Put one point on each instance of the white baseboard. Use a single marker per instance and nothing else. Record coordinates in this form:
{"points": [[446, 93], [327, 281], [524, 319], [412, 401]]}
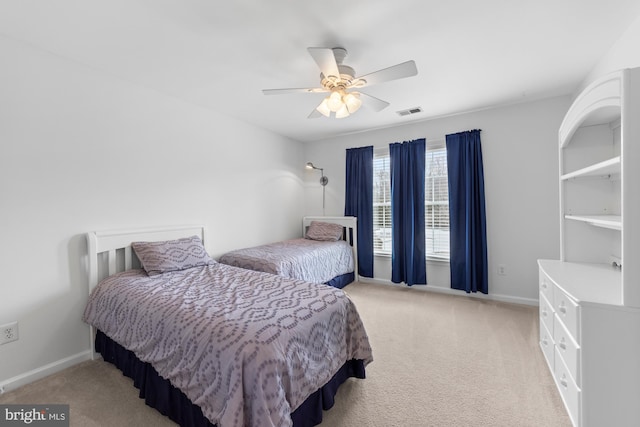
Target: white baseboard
{"points": [[448, 291], [43, 371]]}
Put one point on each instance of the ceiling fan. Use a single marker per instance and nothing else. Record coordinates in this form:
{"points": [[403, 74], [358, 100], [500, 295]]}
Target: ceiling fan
{"points": [[339, 80]]}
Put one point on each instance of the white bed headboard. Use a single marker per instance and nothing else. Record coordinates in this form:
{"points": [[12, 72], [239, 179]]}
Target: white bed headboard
{"points": [[110, 252], [350, 234]]}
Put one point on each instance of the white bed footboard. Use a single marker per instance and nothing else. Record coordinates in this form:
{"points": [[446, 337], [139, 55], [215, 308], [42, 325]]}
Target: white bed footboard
{"points": [[350, 234]]}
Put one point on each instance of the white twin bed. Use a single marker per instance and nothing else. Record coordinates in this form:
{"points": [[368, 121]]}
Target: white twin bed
{"points": [[327, 253], [213, 344]]}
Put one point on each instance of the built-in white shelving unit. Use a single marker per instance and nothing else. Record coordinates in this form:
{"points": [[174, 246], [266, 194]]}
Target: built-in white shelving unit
{"points": [[589, 305]]}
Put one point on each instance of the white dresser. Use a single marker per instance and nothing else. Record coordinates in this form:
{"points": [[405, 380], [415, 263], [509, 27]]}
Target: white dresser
{"points": [[590, 297], [592, 348]]}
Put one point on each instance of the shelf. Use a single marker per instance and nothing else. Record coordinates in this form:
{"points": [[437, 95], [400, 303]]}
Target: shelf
{"points": [[613, 222], [605, 168]]}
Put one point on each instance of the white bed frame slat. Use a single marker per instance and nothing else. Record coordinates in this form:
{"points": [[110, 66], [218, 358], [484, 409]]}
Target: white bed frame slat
{"points": [[112, 262], [128, 258], [350, 223]]}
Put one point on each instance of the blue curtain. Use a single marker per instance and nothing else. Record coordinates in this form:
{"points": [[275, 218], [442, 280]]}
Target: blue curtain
{"points": [[408, 253], [359, 203], [468, 234]]}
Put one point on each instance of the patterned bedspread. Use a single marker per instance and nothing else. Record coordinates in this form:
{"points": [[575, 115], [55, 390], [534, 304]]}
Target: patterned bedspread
{"points": [[247, 347], [304, 259]]}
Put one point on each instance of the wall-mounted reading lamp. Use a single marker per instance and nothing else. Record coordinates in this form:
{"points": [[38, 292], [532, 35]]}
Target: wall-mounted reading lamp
{"points": [[323, 181]]}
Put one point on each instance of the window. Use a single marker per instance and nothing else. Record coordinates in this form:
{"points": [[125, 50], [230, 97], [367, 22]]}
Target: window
{"points": [[436, 202], [381, 204]]}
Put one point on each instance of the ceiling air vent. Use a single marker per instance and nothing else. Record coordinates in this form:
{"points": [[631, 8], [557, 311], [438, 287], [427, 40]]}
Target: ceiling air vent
{"points": [[409, 111]]}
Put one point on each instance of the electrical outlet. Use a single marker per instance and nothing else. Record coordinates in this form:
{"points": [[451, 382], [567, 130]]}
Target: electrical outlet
{"points": [[502, 270], [8, 332]]}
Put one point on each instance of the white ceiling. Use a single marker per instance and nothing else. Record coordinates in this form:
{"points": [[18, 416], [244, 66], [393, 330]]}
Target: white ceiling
{"points": [[470, 54]]}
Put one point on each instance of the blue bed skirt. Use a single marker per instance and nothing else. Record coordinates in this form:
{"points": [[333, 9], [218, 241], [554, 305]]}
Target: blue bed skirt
{"points": [[171, 402], [341, 281]]}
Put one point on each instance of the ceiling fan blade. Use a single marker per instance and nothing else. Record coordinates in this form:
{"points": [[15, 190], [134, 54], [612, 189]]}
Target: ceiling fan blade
{"points": [[326, 60], [314, 114], [293, 90], [376, 104], [395, 72]]}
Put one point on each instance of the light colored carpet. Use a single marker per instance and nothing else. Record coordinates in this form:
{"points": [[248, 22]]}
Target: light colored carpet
{"points": [[439, 360]]}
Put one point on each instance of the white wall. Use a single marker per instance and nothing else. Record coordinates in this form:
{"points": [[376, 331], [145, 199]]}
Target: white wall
{"points": [[520, 155], [81, 151], [625, 53]]}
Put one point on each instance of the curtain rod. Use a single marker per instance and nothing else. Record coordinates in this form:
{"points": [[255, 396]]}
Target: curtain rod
{"points": [[441, 140]]}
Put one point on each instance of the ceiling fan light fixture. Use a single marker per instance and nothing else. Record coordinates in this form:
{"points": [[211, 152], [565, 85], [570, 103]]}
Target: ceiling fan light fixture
{"points": [[342, 112], [323, 108], [352, 101], [334, 101]]}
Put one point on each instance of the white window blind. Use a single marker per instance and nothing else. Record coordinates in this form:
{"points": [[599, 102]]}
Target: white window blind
{"points": [[381, 203], [436, 202]]}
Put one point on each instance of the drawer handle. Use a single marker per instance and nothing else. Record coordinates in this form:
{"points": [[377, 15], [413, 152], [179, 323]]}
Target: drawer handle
{"points": [[544, 312], [562, 309], [563, 381], [562, 344], [544, 285], [545, 342]]}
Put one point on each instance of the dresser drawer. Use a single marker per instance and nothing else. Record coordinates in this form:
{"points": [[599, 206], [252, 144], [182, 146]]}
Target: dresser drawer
{"points": [[546, 313], [568, 389], [546, 344], [567, 311], [546, 286], [568, 349]]}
